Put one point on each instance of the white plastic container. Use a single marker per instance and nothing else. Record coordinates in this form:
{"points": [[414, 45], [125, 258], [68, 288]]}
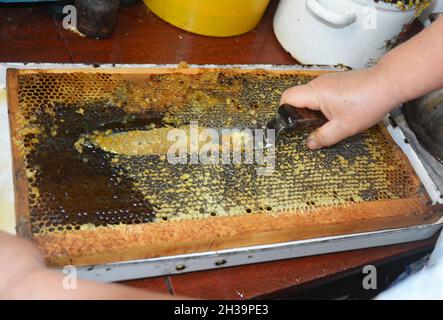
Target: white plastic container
{"points": [[355, 33]]}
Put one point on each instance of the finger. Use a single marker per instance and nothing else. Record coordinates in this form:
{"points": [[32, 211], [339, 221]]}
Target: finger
{"points": [[301, 97], [328, 135]]}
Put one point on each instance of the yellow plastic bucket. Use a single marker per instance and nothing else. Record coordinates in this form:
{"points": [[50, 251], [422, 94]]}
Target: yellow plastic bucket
{"points": [[219, 18]]}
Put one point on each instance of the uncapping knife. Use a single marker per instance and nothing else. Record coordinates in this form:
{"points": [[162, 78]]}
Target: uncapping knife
{"points": [[290, 118]]}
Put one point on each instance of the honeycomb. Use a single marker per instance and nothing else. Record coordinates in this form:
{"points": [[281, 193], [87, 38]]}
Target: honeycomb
{"points": [[76, 186]]}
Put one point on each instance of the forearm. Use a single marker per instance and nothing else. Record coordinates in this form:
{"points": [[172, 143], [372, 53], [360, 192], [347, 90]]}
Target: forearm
{"points": [[23, 275], [414, 68], [47, 284]]}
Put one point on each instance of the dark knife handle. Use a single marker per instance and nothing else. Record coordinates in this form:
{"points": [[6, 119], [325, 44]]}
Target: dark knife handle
{"points": [[301, 118]]}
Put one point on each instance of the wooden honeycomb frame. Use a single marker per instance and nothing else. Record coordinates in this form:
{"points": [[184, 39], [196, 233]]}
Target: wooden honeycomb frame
{"points": [[119, 242]]}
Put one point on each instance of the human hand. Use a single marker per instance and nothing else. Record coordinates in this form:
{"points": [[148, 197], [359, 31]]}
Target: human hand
{"points": [[352, 102], [23, 275]]}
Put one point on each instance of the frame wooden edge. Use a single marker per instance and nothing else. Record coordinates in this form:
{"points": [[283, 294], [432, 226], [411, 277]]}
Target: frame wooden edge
{"points": [[60, 250], [22, 214], [178, 69], [421, 189]]}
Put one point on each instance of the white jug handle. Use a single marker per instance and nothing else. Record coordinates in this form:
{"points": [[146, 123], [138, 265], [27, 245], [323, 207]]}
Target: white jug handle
{"points": [[336, 20], [426, 19]]}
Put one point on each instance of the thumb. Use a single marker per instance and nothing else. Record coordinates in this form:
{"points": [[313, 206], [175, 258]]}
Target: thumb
{"points": [[327, 135], [303, 96]]}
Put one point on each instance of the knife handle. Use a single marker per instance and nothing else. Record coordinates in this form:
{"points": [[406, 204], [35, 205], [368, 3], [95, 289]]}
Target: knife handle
{"points": [[301, 118]]}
